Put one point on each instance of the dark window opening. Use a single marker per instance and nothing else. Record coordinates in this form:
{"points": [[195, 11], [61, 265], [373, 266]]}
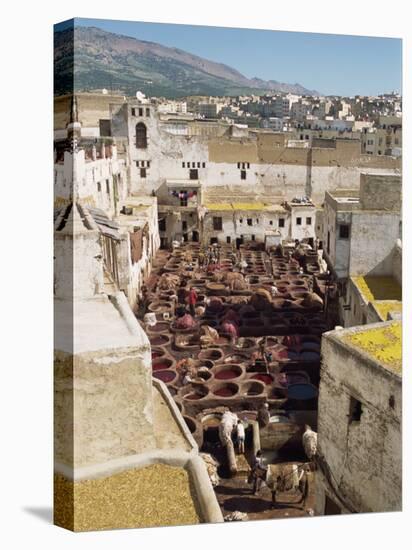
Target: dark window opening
{"points": [[392, 401], [249, 221], [203, 164], [140, 111], [248, 165], [213, 240], [147, 111], [133, 111], [183, 164], [184, 225], [228, 240], [141, 136], [298, 221], [355, 410], [198, 164], [238, 165], [99, 187], [148, 163], [281, 222], [193, 165], [142, 172], [217, 223], [105, 127], [107, 187], [271, 222], [193, 174], [241, 220], [308, 221], [162, 224], [344, 231], [243, 174], [252, 237]]}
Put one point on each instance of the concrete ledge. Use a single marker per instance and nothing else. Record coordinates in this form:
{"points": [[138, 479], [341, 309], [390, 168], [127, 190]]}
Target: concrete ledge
{"points": [[177, 415], [191, 462]]}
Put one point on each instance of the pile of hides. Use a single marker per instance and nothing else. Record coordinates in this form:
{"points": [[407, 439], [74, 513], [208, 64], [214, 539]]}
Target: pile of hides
{"points": [[211, 467], [185, 322], [210, 336]]}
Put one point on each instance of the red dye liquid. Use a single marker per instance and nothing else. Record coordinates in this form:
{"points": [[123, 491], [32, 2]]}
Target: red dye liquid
{"points": [[156, 354], [193, 396], [158, 340], [161, 366], [265, 378], [165, 376], [226, 374], [225, 392]]}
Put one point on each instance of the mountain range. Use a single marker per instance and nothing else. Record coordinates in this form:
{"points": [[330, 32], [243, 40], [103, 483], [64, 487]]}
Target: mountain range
{"points": [[100, 59]]}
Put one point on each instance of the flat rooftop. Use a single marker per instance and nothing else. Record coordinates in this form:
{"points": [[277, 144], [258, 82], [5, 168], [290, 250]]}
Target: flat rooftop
{"points": [[243, 206], [385, 293], [381, 343]]}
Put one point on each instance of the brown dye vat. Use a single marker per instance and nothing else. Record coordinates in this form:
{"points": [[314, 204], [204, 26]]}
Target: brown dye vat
{"points": [[157, 352], [159, 327], [166, 376], [159, 340], [245, 343], [161, 364], [263, 377], [228, 372], [211, 420], [298, 282], [252, 388], [195, 393], [228, 389], [211, 354]]}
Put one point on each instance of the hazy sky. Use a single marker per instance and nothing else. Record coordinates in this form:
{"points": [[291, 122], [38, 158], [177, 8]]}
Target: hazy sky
{"points": [[331, 64]]}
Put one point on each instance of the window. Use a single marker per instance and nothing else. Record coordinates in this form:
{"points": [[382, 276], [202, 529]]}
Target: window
{"points": [[133, 111], [252, 237], [193, 174], [228, 240], [241, 220], [99, 187], [298, 221], [184, 225], [203, 164], [107, 187], [162, 224], [105, 127], [193, 165], [281, 222], [355, 410], [344, 231], [141, 136], [217, 223], [249, 221], [148, 163], [238, 165], [257, 221], [309, 221], [248, 165], [147, 111], [142, 172], [271, 222], [243, 174], [183, 165], [198, 164], [140, 111]]}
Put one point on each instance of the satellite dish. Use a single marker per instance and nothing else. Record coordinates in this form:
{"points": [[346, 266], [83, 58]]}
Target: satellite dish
{"points": [[140, 95], [104, 91]]}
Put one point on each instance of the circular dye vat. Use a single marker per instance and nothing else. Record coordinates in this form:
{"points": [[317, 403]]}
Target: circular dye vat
{"points": [[156, 353], [211, 354], [159, 327], [161, 364], [263, 377], [228, 372], [166, 376], [196, 394], [309, 356], [252, 388], [226, 390], [211, 421], [302, 391], [159, 340]]}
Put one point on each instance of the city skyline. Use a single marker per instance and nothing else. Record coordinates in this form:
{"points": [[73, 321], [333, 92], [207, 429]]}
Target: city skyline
{"points": [[357, 65]]}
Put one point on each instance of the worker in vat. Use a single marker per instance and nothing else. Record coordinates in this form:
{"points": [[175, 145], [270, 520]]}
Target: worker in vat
{"points": [[263, 416], [258, 471], [240, 436], [192, 299]]}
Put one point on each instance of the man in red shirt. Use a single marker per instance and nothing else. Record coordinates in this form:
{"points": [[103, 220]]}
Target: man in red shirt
{"points": [[192, 299]]}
